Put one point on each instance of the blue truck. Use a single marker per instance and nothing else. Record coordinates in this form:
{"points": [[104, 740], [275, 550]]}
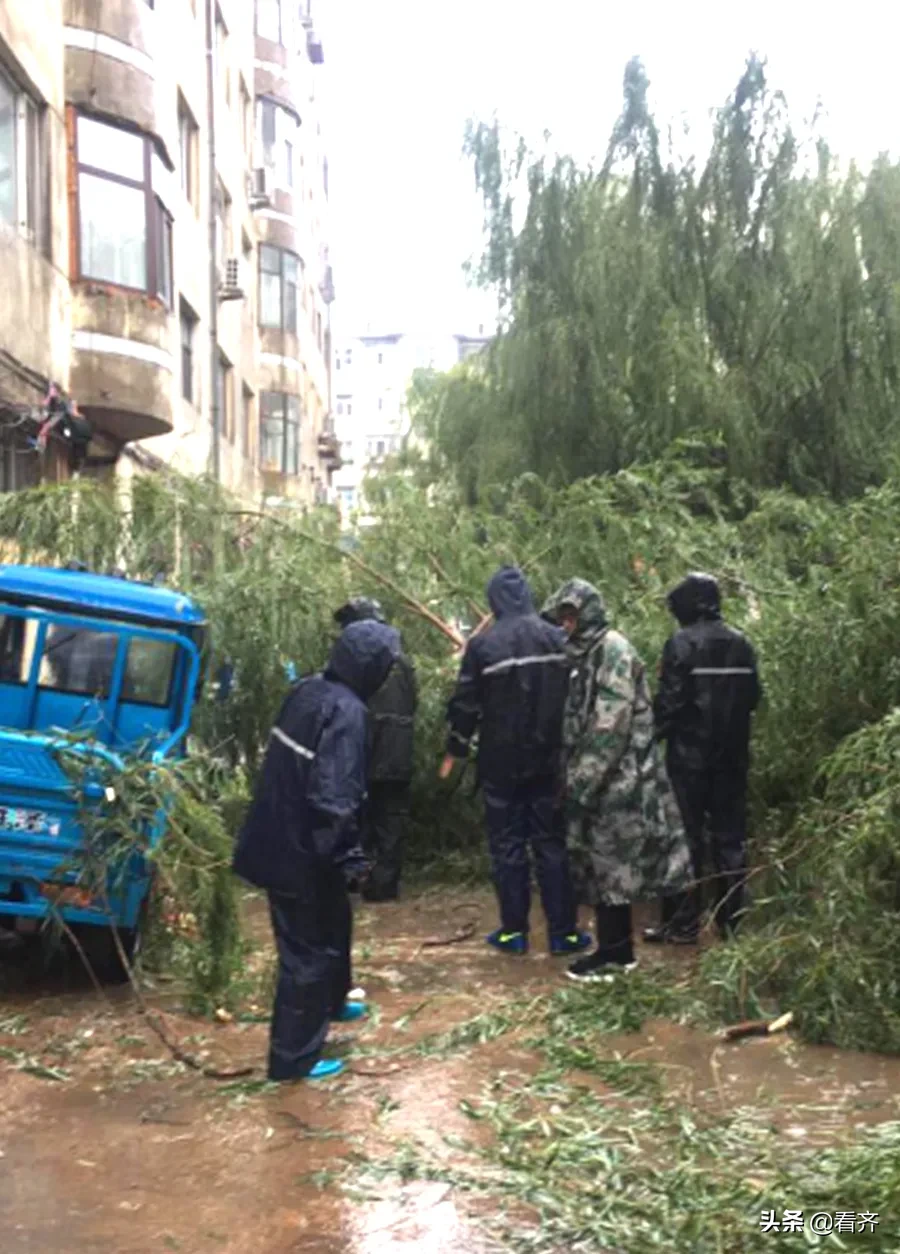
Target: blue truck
{"points": [[94, 669]]}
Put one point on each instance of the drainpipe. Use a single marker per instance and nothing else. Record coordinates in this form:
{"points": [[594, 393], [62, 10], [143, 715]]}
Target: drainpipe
{"points": [[215, 416]]}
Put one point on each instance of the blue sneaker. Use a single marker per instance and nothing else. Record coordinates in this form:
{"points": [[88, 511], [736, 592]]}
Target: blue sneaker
{"points": [[325, 1068], [508, 942], [351, 1011], [571, 943]]}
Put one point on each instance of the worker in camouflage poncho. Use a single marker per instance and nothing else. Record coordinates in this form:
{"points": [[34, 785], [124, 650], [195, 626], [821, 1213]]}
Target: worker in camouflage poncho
{"points": [[626, 839]]}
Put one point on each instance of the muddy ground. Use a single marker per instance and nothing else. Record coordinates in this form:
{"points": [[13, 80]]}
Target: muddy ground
{"points": [[108, 1146]]}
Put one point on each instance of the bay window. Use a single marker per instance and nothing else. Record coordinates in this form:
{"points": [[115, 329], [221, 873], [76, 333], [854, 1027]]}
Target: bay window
{"points": [[277, 130], [125, 230], [279, 435], [269, 20], [279, 276]]}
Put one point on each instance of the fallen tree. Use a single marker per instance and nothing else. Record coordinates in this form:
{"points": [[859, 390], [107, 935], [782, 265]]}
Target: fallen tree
{"points": [[815, 583]]}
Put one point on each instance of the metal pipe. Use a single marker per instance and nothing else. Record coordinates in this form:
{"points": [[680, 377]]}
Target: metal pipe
{"points": [[214, 414]]}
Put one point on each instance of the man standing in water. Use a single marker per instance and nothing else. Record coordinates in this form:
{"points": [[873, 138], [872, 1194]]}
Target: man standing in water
{"points": [[301, 843], [392, 714], [625, 836], [708, 689], [512, 691]]}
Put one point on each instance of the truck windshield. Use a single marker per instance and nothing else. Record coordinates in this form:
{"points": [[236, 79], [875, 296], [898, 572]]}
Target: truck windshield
{"points": [[80, 660]]}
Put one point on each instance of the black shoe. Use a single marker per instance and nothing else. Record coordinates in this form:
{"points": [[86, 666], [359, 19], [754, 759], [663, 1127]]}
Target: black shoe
{"points": [[668, 936], [598, 968]]}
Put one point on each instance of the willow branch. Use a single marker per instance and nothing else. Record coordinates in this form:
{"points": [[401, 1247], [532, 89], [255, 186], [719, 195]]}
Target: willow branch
{"points": [[407, 598]]}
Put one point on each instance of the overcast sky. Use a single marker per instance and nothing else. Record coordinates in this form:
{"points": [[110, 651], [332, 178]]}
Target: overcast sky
{"points": [[402, 76]]}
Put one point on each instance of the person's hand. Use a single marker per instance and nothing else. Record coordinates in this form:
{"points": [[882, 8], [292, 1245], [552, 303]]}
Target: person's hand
{"points": [[355, 869], [445, 770]]}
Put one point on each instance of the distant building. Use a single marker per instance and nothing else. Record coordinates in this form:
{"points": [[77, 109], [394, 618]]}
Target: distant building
{"points": [[371, 377]]}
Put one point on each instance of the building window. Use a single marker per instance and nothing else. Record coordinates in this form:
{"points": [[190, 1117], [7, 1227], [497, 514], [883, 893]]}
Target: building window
{"points": [[188, 321], [125, 235], [279, 444], [246, 117], [246, 420], [268, 21], [277, 129], [279, 276], [221, 55], [225, 397], [162, 250], [24, 165], [223, 226], [188, 148]]}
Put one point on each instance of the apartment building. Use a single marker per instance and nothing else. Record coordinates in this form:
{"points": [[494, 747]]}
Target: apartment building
{"points": [[372, 374], [163, 243]]}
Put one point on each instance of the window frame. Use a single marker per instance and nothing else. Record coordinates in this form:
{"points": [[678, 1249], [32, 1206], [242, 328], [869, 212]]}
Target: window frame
{"points": [[224, 384], [187, 319], [221, 36], [246, 100], [188, 164], [291, 420], [30, 169], [280, 8], [158, 224], [286, 285], [248, 396], [278, 153], [224, 224]]}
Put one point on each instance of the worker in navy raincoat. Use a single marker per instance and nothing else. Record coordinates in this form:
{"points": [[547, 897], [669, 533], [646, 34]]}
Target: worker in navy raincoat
{"points": [[709, 687], [392, 714], [301, 843], [511, 691]]}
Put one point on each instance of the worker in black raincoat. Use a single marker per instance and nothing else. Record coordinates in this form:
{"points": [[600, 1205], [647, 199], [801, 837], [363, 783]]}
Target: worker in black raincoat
{"points": [[392, 711], [709, 687], [301, 843], [512, 691]]}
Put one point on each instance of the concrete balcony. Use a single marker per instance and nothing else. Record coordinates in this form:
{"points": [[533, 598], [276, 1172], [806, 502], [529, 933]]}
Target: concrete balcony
{"points": [[329, 448], [109, 58], [122, 365]]}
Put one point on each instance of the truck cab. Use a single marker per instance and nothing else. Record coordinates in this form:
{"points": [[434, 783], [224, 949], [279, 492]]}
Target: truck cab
{"points": [[107, 669]]}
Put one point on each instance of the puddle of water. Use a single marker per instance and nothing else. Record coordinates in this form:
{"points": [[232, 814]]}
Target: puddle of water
{"points": [[422, 1217], [94, 1167]]}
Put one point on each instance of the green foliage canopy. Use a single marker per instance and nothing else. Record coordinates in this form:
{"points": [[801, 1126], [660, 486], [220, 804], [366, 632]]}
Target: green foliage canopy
{"points": [[754, 294]]}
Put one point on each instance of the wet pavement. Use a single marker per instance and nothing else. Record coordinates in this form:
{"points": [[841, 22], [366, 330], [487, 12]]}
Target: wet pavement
{"points": [[107, 1146]]}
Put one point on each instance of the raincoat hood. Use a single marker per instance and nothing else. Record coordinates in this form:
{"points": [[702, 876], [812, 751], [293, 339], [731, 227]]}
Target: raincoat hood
{"points": [[358, 610], [587, 602], [695, 598], [508, 593], [363, 655]]}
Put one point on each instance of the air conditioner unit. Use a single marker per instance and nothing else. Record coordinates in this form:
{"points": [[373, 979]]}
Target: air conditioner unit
{"points": [[230, 280], [259, 192], [314, 47]]}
